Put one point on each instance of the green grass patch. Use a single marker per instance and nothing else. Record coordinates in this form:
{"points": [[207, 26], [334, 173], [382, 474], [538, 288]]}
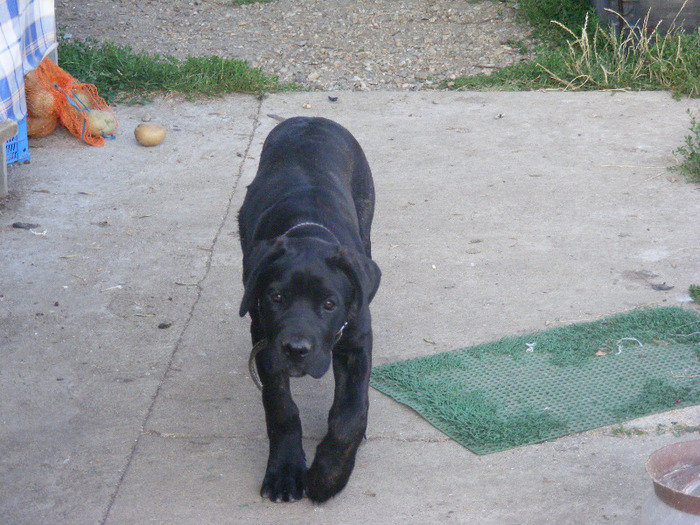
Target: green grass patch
{"points": [[524, 76], [658, 395], [576, 52], [689, 165], [120, 73], [621, 431], [540, 14], [603, 59], [694, 292], [677, 430]]}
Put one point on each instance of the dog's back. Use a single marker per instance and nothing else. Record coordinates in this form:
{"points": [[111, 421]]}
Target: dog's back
{"points": [[311, 169]]}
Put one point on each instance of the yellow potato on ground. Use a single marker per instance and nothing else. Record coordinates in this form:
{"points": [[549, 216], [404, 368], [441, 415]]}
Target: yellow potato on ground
{"points": [[83, 100], [39, 103], [100, 122], [32, 82], [149, 134], [38, 127]]}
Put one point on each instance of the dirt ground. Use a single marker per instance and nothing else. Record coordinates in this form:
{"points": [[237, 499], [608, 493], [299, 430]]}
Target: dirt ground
{"points": [[322, 45]]}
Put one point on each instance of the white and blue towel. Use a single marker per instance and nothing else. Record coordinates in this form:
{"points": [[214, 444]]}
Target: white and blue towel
{"points": [[27, 35]]}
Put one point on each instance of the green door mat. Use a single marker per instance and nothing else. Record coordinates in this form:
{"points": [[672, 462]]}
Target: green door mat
{"points": [[527, 389]]}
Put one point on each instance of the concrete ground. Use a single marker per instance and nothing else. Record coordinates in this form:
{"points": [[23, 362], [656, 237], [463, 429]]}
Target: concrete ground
{"points": [[125, 396]]}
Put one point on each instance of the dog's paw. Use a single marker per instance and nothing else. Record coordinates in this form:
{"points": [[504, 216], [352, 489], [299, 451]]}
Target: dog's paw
{"points": [[327, 476], [284, 484]]}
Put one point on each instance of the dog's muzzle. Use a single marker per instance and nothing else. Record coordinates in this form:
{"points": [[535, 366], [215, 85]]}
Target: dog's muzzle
{"points": [[294, 350]]}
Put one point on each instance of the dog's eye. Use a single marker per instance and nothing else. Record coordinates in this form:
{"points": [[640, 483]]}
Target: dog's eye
{"points": [[276, 297], [329, 304]]}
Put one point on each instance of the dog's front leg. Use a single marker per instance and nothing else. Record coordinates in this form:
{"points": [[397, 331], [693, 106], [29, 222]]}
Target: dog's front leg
{"points": [[286, 465], [347, 422]]}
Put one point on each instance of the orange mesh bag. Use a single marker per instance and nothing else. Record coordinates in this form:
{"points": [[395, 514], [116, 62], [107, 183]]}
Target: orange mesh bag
{"points": [[77, 106], [41, 107]]}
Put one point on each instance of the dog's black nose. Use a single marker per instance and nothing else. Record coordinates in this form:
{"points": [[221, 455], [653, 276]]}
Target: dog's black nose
{"points": [[296, 349]]}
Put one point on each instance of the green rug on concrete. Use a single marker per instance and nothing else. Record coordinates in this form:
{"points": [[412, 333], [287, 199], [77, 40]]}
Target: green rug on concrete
{"points": [[528, 389]]}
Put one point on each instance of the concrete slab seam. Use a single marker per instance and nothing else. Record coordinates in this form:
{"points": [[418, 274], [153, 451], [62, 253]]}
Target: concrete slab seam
{"points": [[177, 345]]}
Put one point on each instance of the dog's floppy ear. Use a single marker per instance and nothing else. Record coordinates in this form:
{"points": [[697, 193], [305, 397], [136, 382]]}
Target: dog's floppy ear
{"points": [[260, 257], [362, 271]]}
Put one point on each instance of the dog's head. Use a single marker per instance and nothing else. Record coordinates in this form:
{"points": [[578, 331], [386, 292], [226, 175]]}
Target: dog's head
{"points": [[303, 291]]}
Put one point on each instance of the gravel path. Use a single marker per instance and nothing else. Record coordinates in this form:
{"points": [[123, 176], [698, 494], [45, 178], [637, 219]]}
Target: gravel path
{"points": [[324, 45]]}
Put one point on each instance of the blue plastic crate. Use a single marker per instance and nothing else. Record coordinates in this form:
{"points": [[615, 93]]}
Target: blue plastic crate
{"points": [[17, 148]]}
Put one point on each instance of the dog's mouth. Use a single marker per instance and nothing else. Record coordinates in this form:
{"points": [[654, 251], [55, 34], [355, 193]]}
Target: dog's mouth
{"points": [[315, 367], [293, 371]]}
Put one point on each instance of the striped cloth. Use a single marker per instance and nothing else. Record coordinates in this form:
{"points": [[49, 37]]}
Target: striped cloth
{"points": [[27, 35]]}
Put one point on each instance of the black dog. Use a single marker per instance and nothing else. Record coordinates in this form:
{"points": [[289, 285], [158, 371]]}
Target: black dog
{"points": [[309, 278]]}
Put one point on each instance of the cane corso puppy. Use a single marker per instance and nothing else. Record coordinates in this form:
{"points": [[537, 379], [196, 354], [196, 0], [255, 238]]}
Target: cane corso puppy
{"points": [[308, 280]]}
